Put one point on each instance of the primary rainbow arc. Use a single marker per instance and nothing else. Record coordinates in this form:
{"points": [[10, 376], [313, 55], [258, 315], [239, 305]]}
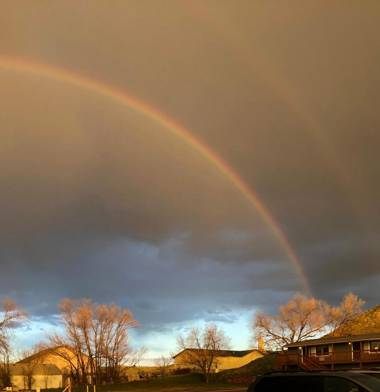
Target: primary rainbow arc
{"points": [[121, 97]]}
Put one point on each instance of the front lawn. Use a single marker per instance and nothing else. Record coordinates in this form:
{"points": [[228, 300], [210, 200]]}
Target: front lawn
{"points": [[180, 383]]}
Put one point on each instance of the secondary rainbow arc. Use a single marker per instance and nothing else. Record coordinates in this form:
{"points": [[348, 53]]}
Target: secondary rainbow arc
{"points": [[121, 97]]}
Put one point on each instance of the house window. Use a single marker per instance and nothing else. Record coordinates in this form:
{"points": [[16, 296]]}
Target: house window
{"points": [[322, 350], [374, 347]]}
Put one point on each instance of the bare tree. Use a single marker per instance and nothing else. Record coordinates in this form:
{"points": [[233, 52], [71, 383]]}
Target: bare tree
{"points": [[304, 318], [29, 363], [98, 337], [75, 361], [163, 364], [10, 315], [27, 372], [340, 316], [200, 348], [134, 357]]}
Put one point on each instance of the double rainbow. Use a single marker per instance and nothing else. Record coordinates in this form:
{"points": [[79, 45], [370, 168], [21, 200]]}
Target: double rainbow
{"points": [[122, 98]]}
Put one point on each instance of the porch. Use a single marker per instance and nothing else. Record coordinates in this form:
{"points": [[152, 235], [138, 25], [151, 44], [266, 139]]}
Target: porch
{"points": [[330, 352], [359, 358]]}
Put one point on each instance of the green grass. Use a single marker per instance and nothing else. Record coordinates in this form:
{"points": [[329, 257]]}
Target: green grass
{"points": [[189, 380], [195, 382]]}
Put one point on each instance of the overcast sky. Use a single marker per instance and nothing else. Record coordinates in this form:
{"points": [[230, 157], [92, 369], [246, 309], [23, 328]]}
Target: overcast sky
{"points": [[100, 201]]}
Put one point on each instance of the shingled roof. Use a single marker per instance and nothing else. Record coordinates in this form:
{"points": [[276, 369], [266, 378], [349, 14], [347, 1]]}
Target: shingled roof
{"points": [[57, 351], [336, 339], [34, 356]]}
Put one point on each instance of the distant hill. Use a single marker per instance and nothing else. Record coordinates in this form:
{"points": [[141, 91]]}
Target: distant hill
{"points": [[245, 374], [367, 322]]}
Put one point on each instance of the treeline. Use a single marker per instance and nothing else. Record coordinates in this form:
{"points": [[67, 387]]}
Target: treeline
{"points": [[97, 336], [305, 318], [94, 341], [11, 316], [299, 319]]}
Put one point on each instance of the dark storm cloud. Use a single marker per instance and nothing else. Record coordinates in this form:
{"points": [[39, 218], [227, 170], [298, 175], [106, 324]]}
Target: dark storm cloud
{"points": [[97, 201], [157, 286]]}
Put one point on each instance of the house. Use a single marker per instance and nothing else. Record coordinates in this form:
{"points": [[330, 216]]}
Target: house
{"points": [[63, 357], [224, 359], [333, 352], [356, 344], [43, 376], [51, 366]]}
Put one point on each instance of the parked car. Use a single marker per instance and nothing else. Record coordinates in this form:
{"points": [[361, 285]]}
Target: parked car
{"points": [[316, 382], [373, 373]]}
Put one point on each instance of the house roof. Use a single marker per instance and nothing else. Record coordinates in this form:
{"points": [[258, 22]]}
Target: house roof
{"points": [[220, 353], [41, 353], [52, 350], [336, 339], [33, 356], [20, 369]]}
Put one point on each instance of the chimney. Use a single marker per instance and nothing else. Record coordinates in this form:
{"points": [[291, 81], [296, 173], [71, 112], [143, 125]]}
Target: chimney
{"points": [[260, 344]]}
